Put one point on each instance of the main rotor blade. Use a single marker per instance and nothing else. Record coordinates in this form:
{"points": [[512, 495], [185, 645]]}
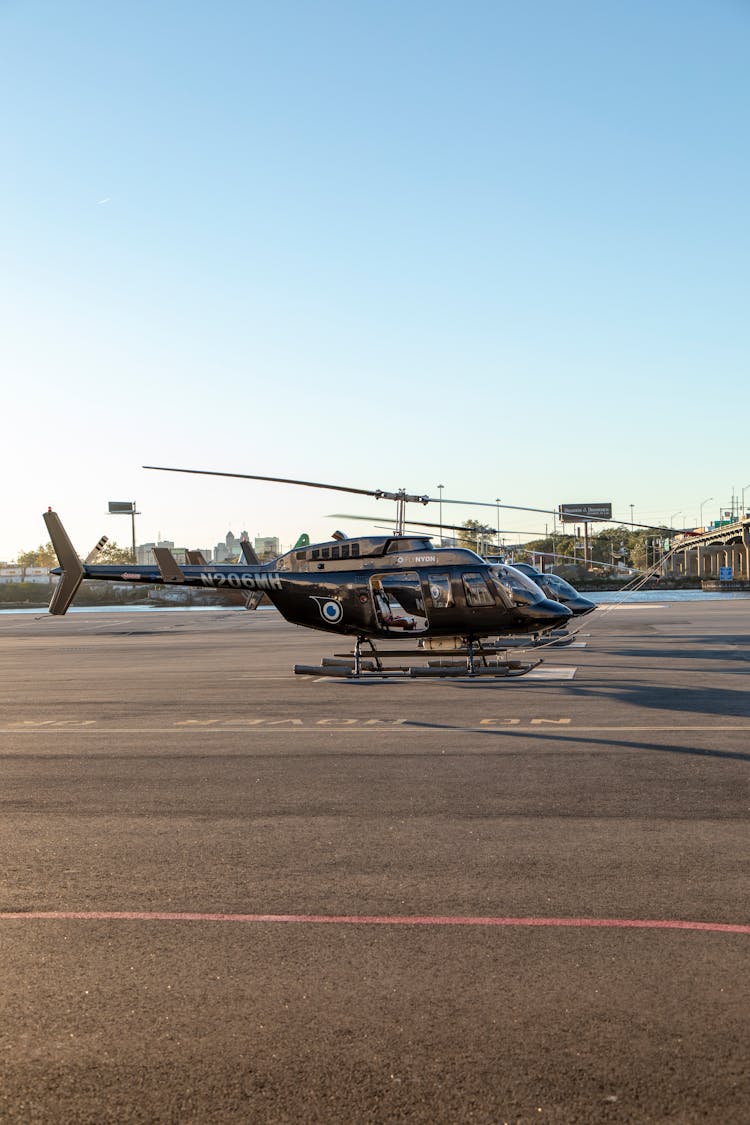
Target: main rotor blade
{"points": [[276, 480], [488, 504], [382, 494], [421, 523], [547, 511]]}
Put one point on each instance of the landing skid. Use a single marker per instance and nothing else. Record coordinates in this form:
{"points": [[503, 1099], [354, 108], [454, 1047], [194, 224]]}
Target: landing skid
{"points": [[479, 660]]}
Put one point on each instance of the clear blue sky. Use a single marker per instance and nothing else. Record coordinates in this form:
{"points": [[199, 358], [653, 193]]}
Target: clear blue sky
{"points": [[499, 246]]}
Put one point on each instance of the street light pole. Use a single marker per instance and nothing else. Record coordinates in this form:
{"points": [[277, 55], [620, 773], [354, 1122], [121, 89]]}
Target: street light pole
{"points": [[705, 502], [743, 501], [440, 490], [497, 501], [631, 514]]}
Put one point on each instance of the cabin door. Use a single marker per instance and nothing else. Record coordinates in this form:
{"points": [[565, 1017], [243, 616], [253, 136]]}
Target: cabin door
{"points": [[398, 601]]}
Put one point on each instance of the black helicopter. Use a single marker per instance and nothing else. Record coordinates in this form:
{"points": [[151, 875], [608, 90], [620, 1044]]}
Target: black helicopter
{"points": [[448, 600], [553, 586]]}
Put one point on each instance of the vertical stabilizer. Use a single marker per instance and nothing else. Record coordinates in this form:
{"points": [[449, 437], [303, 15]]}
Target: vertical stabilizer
{"points": [[72, 570], [169, 568], [249, 554]]}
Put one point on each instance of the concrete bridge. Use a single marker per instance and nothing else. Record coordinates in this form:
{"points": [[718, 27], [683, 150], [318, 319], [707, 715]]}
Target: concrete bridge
{"points": [[702, 555]]}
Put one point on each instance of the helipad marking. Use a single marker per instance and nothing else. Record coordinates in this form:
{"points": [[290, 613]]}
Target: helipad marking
{"points": [[634, 605], [371, 920], [551, 672], [365, 726]]}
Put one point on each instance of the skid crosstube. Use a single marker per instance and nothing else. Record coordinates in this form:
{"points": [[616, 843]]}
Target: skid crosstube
{"points": [[354, 666]]}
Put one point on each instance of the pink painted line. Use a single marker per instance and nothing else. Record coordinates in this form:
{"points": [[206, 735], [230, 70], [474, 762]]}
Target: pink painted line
{"points": [[370, 920]]}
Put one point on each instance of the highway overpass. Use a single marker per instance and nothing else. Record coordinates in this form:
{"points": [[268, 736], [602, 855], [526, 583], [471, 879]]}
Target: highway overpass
{"points": [[705, 554]]}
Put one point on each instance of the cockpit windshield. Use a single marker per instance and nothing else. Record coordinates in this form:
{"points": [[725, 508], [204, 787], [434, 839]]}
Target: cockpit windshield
{"points": [[514, 586], [558, 585]]}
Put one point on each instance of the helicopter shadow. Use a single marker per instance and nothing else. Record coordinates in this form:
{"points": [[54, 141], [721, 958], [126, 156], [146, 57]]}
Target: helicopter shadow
{"points": [[582, 740], [708, 701], [740, 653]]}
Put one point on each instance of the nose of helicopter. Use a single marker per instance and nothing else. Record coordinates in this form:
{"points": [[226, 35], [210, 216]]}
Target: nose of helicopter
{"points": [[548, 614], [581, 606]]}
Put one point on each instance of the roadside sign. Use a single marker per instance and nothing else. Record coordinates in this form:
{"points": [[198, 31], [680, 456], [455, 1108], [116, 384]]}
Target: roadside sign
{"points": [[725, 574], [569, 513]]}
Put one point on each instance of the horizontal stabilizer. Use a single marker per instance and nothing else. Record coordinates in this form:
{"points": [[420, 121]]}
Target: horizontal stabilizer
{"points": [[72, 569], [168, 565], [96, 550], [196, 558]]}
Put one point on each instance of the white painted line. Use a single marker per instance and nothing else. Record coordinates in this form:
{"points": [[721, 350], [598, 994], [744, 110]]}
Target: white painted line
{"points": [[551, 672], [635, 605]]}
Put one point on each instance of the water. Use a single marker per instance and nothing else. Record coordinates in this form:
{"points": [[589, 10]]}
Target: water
{"points": [[605, 597]]}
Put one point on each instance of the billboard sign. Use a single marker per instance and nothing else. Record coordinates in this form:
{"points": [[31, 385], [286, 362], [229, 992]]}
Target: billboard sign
{"points": [[570, 513], [122, 508]]}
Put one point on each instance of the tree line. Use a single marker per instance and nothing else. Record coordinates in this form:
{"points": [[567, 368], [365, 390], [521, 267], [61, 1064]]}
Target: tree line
{"points": [[44, 555], [608, 547]]}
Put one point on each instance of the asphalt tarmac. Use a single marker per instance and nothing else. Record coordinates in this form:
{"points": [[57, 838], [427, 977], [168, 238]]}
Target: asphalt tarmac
{"points": [[229, 894]]}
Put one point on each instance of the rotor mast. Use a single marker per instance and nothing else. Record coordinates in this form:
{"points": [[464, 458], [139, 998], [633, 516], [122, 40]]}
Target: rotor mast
{"points": [[402, 498]]}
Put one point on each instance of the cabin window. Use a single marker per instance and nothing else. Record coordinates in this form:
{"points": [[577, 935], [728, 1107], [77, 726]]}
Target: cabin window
{"points": [[440, 591], [300, 556], [345, 550], [325, 553], [355, 550], [334, 552], [316, 553], [401, 545], [476, 590]]}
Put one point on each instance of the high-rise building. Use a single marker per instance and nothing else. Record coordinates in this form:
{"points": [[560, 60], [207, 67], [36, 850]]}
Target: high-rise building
{"points": [[267, 546]]}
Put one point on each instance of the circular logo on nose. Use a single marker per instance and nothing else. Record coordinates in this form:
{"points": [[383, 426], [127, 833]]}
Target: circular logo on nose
{"points": [[330, 610]]}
